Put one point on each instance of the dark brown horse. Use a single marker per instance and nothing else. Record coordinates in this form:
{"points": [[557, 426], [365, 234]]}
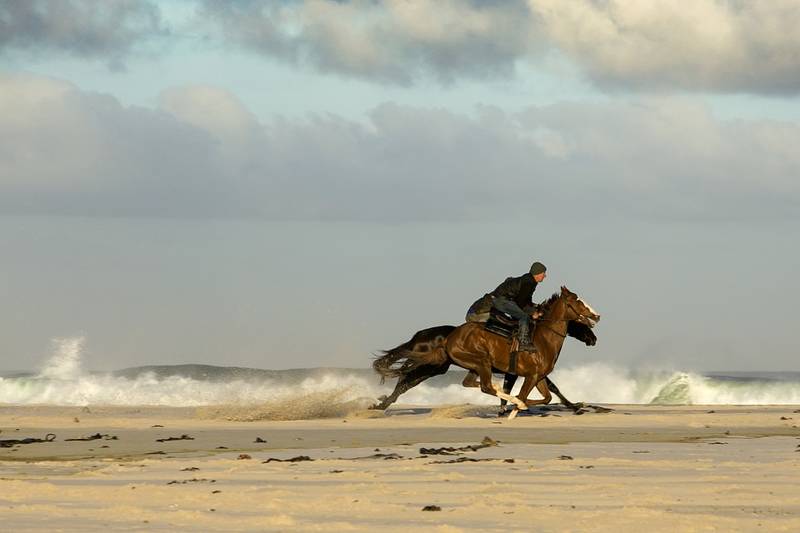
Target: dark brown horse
{"points": [[427, 353], [433, 339]]}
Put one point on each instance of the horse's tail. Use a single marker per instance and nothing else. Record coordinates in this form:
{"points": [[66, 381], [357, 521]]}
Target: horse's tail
{"points": [[426, 347]]}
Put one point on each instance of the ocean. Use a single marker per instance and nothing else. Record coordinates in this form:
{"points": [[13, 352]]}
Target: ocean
{"points": [[63, 381]]}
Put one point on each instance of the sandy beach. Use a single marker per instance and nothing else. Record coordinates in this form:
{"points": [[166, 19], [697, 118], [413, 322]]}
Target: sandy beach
{"points": [[638, 468]]}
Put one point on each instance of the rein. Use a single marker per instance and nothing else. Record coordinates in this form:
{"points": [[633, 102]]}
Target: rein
{"points": [[564, 336]]}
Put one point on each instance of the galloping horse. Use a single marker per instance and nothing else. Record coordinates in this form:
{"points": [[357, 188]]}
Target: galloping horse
{"points": [[433, 339], [430, 352]]}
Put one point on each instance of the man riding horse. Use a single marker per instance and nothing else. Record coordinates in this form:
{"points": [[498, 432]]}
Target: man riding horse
{"points": [[431, 351], [513, 297]]}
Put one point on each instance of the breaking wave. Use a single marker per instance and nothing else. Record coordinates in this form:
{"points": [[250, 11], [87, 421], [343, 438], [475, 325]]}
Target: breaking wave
{"points": [[323, 392]]}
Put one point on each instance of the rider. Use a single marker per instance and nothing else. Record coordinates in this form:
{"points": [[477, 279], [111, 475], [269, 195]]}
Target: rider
{"points": [[513, 297]]}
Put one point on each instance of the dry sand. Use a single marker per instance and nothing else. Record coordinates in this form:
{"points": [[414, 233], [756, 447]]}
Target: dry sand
{"points": [[639, 468]]}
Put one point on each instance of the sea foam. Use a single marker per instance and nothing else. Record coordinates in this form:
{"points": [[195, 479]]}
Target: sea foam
{"points": [[62, 381]]}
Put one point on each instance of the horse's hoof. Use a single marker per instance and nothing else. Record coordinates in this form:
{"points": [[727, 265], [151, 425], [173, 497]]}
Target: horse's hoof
{"points": [[580, 411], [598, 409]]}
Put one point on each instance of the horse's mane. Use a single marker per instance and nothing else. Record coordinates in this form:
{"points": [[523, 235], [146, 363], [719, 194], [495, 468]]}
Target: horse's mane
{"points": [[545, 305]]}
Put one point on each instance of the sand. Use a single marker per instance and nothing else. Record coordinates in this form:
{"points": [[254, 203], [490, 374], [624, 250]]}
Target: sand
{"points": [[638, 468]]}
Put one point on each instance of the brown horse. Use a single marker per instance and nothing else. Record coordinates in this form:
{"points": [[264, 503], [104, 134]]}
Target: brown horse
{"points": [[480, 352], [396, 363]]}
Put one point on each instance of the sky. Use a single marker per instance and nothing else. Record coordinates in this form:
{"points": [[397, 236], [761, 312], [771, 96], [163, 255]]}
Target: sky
{"points": [[301, 183]]}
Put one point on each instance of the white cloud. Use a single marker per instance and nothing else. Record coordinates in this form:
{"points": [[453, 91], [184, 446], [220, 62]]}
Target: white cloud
{"points": [[716, 45], [202, 154], [217, 112]]}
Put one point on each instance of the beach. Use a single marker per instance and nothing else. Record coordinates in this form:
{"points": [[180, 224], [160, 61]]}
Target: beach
{"points": [[450, 468]]}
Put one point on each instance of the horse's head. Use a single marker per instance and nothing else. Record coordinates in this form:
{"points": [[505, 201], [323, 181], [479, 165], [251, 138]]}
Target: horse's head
{"points": [[577, 309]]}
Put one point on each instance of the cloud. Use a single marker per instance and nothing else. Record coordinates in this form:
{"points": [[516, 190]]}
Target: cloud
{"points": [[713, 45], [703, 45], [726, 46], [203, 154], [66, 151], [391, 41], [105, 29]]}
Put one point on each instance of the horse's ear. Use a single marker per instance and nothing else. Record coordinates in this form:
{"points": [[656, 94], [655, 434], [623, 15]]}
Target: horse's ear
{"points": [[564, 290]]}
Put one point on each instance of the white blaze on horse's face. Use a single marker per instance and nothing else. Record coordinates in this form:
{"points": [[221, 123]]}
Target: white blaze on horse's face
{"points": [[595, 315]]}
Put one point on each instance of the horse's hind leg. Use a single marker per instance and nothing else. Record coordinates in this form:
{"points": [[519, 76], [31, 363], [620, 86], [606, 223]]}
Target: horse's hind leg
{"points": [[471, 379], [552, 387], [409, 381]]}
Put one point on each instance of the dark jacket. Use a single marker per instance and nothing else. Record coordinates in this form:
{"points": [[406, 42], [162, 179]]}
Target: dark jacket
{"points": [[519, 290]]}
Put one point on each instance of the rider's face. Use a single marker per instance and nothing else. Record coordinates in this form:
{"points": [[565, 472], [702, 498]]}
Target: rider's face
{"points": [[540, 277]]}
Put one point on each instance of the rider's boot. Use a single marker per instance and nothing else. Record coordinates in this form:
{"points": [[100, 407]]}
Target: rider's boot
{"points": [[525, 344]]}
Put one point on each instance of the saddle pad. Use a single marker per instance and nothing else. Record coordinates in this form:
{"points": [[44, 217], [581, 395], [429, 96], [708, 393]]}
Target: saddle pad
{"points": [[500, 328]]}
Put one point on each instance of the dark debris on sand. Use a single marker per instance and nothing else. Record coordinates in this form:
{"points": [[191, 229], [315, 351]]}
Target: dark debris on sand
{"points": [[384, 456], [449, 450], [182, 437], [461, 460], [8, 443], [193, 480], [96, 436], [297, 459]]}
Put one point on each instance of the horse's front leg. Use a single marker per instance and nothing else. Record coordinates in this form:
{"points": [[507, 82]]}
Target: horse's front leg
{"points": [[484, 372], [527, 387], [508, 384], [522, 398], [541, 386]]}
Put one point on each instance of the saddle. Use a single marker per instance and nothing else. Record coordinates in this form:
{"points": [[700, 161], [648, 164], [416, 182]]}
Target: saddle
{"points": [[501, 324]]}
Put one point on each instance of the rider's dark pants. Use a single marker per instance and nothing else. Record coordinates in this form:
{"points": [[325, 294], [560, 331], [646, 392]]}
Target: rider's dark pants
{"points": [[511, 308]]}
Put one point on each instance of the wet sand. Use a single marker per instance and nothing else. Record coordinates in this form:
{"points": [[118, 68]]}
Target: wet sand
{"points": [[638, 468]]}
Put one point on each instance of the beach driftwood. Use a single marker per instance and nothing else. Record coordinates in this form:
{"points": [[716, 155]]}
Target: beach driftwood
{"points": [[8, 443]]}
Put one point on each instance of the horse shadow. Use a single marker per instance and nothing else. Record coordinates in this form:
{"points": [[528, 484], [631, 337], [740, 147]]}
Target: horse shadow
{"points": [[490, 411], [554, 410]]}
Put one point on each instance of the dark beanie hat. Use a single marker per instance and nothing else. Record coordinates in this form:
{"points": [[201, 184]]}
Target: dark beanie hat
{"points": [[537, 268]]}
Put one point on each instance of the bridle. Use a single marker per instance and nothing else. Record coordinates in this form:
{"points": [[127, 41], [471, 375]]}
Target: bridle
{"points": [[569, 305]]}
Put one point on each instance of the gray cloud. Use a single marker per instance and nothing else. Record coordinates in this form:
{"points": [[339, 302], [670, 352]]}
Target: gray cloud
{"points": [[105, 29], [723, 46], [391, 41], [715, 45], [203, 154]]}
